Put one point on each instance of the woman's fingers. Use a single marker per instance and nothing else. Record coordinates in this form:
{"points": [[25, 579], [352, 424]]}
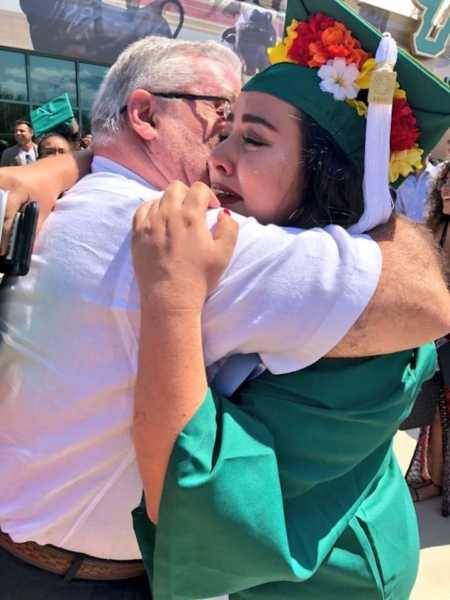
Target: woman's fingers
{"points": [[199, 198], [173, 198], [226, 232]]}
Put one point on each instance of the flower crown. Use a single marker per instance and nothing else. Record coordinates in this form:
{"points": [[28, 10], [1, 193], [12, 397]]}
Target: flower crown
{"points": [[346, 70]]}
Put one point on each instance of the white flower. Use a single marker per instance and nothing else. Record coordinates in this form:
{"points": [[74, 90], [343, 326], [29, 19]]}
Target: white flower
{"points": [[338, 78]]}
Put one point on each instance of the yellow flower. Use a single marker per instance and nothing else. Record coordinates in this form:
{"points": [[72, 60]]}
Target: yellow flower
{"points": [[291, 35], [360, 106], [399, 93], [404, 162], [368, 68], [278, 53]]}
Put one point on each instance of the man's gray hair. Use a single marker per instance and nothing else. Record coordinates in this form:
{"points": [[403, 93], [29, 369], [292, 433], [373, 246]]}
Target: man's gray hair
{"points": [[156, 64]]}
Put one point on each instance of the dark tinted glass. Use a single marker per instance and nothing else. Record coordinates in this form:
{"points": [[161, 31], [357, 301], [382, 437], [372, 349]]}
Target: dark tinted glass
{"points": [[50, 77], [13, 79], [89, 78], [85, 122]]}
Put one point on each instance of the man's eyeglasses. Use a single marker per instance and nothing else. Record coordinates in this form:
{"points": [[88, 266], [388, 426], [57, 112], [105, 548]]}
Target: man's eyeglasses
{"points": [[221, 105]]}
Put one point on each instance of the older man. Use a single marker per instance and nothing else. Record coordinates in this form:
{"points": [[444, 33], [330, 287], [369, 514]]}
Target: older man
{"points": [[68, 476]]}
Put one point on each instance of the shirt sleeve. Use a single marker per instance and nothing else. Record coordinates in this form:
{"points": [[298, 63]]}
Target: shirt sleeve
{"points": [[288, 294]]}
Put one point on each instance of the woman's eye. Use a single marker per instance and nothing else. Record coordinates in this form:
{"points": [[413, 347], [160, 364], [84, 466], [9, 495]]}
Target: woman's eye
{"points": [[253, 141]]}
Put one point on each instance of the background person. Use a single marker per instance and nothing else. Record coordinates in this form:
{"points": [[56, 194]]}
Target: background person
{"points": [[25, 151], [412, 196], [86, 140], [429, 472], [51, 144]]}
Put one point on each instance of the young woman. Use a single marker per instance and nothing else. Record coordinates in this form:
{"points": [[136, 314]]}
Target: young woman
{"points": [[429, 473], [290, 488]]}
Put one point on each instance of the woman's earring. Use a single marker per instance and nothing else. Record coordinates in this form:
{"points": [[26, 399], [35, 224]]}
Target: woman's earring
{"points": [[294, 215]]}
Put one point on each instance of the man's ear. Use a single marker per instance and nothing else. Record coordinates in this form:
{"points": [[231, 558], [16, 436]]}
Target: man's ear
{"points": [[140, 108]]}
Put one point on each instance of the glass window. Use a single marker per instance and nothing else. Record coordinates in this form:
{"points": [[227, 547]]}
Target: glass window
{"points": [[85, 122], [13, 78], [9, 113], [51, 77], [89, 79]]}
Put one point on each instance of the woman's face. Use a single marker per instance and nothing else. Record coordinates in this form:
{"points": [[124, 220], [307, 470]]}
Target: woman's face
{"points": [[445, 195], [255, 169]]}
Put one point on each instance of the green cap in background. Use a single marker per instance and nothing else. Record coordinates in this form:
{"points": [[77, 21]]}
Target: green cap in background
{"points": [[48, 116]]}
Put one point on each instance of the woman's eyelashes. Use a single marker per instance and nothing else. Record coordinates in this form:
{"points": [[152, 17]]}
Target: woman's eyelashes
{"points": [[252, 141]]}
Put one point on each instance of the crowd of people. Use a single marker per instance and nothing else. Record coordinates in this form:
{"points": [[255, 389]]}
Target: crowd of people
{"points": [[29, 148], [202, 373]]}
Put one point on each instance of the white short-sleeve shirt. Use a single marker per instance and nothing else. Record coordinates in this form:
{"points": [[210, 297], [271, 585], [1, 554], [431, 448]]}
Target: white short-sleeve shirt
{"points": [[68, 358]]}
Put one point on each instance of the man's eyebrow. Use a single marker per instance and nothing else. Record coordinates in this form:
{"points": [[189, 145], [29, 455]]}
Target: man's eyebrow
{"points": [[249, 118]]}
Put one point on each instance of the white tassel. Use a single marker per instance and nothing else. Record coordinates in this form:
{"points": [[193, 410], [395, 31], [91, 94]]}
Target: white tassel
{"points": [[378, 203]]}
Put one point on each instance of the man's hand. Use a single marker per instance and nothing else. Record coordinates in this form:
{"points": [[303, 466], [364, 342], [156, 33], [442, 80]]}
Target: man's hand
{"points": [[177, 259]]}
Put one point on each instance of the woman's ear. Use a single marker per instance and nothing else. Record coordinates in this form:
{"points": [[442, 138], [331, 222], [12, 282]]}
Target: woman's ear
{"points": [[140, 108]]}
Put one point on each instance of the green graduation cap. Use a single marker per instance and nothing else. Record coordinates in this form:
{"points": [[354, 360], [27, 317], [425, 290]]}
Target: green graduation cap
{"points": [[295, 81], [50, 115]]}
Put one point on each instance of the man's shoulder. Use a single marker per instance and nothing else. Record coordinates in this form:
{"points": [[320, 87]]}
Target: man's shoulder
{"points": [[107, 184], [10, 153]]}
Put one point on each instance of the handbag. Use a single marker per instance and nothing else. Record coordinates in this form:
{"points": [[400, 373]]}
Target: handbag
{"points": [[50, 115], [424, 408]]}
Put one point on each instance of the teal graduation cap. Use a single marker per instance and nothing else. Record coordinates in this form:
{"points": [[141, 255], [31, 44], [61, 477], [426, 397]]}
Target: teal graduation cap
{"points": [[326, 43]]}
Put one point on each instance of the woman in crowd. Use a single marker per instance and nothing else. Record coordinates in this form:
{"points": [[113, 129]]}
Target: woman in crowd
{"points": [[429, 473], [51, 144], [290, 488]]}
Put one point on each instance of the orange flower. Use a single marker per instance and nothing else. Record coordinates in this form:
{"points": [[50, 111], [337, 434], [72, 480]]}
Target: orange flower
{"points": [[334, 35], [336, 41], [319, 55]]}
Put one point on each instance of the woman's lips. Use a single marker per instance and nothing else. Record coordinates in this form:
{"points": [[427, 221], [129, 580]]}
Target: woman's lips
{"points": [[226, 196]]}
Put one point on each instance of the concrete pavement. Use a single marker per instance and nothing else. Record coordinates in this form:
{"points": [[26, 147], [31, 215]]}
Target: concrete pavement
{"points": [[433, 581]]}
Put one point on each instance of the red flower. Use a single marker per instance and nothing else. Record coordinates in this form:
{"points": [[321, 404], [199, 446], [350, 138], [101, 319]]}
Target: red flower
{"points": [[321, 39], [404, 130], [309, 32]]}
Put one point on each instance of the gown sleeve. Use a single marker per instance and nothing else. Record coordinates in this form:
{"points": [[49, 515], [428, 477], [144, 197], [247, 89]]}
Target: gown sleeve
{"points": [[259, 491]]}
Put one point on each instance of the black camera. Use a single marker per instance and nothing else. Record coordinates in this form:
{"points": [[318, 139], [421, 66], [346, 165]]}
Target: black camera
{"points": [[17, 259]]}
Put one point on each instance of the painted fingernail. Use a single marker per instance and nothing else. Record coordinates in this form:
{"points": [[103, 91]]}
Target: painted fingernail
{"points": [[226, 211]]}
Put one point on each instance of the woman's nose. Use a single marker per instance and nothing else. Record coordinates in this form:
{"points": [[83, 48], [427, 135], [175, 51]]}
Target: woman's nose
{"points": [[220, 159]]}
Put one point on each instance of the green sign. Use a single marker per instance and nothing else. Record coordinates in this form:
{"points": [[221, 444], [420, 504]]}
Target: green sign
{"points": [[434, 31]]}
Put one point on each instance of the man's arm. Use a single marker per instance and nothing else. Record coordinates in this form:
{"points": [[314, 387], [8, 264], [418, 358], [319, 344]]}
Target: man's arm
{"points": [[46, 179], [411, 304], [43, 181], [294, 297]]}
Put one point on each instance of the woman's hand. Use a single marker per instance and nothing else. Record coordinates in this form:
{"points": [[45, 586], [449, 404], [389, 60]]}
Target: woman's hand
{"points": [[177, 262], [177, 259]]}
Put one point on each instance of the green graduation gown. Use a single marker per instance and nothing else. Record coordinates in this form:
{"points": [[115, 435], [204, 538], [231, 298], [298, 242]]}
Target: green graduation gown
{"points": [[291, 489]]}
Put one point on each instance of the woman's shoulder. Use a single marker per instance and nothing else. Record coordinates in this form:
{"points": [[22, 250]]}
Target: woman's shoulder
{"points": [[345, 383]]}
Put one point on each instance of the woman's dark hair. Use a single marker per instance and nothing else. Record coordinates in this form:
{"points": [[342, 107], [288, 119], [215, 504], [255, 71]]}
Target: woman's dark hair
{"points": [[436, 217], [46, 136], [332, 188]]}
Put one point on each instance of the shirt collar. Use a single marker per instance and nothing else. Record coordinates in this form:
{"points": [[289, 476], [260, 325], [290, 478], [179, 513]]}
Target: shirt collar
{"points": [[101, 163]]}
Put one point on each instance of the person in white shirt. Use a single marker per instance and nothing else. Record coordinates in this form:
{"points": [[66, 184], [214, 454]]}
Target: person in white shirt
{"points": [[25, 151], [68, 476], [412, 196]]}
